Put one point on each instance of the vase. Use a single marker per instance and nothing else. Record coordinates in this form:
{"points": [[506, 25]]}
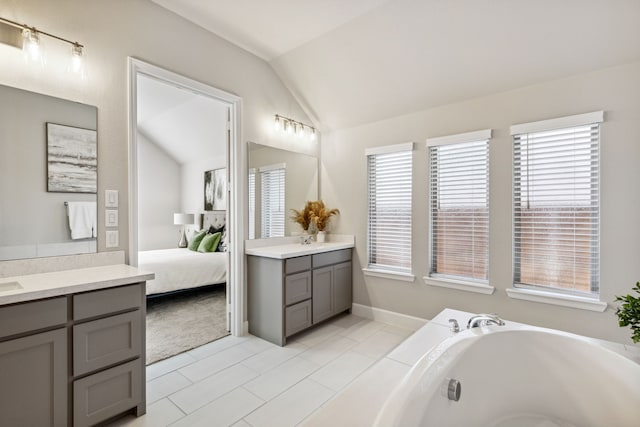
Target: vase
{"points": [[320, 236]]}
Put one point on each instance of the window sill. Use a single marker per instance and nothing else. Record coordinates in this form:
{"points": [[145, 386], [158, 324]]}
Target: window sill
{"points": [[573, 301], [386, 274], [460, 285]]}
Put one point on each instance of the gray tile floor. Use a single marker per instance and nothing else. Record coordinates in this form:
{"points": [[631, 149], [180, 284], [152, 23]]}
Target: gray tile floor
{"points": [[246, 381]]}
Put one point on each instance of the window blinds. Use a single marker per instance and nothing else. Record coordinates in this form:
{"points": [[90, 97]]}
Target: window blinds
{"points": [[459, 207], [556, 208], [273, 202], [252, 203], [389, 207]]}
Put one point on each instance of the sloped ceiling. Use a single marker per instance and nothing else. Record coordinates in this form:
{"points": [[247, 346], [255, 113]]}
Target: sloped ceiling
{"points": [[359, 61], [185, 125]]}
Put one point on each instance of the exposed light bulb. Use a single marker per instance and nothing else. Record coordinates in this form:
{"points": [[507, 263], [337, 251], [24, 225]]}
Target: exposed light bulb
{"points": [[301, 131], [292, 128], [31, 45], [76, 64], [276, 124], [312, 135]]}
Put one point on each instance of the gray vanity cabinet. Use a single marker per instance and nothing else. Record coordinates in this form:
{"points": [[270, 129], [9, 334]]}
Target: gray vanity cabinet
{"points": [[331, 291], [75, 360], [287, 296], [33, 363]]}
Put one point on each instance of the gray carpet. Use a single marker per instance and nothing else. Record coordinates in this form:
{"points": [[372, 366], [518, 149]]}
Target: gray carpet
{"points": [[179, 322]]}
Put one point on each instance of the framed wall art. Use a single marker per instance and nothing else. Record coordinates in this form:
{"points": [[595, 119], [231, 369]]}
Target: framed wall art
{"points": [[215, 190], [72, 159]]}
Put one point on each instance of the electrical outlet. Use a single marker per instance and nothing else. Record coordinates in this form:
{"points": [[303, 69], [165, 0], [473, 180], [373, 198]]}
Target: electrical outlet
{"points": [[112, 239], [111, 217]]}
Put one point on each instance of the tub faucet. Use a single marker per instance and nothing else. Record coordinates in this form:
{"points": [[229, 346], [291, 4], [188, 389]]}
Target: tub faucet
{"points": [[453, 326], [484, 320]]}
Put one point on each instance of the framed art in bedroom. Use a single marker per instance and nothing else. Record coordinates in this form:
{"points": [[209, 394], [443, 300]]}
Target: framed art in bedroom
{"points": [[215, 190], [72, 161]]}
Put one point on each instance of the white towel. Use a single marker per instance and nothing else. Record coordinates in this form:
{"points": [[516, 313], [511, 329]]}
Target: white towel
{"points": [[82, 219]]}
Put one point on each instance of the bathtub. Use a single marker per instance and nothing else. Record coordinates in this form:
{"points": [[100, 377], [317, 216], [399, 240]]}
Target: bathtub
{"points": [[517, 376]]}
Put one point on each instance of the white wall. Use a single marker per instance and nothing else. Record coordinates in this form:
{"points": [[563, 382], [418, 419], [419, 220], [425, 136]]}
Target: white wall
{"points": [[159, 197], [615, 90], [113, 30], [193, 180]]}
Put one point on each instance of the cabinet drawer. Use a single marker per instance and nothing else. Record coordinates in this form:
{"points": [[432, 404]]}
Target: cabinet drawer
{"points": [[107, 393], [106, 342], [31, 316], [297, 287], [333, 257], [99, 303], [297, 317], [294, 265]]}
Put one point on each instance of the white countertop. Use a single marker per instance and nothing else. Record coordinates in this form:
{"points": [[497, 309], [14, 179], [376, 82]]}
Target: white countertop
{"points": [[291, 250], [46, 285]]}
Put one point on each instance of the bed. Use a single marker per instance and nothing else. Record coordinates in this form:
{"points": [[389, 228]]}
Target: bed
{"points": [[180, 268]]}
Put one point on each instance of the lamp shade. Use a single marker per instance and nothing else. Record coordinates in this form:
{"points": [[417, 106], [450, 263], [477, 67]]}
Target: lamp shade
{"points": [[183, 218]]}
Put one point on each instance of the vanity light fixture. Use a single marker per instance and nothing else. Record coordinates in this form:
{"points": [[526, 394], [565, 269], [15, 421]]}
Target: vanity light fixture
{"points": [[294, 127], [32, 46]]}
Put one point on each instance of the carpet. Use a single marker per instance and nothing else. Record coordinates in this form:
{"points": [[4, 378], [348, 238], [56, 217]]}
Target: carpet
{"points": [[182, 321]]}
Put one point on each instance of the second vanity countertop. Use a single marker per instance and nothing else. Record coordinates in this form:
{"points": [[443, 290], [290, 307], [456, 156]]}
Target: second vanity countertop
{"points": [[45, 285], [291, 248]]}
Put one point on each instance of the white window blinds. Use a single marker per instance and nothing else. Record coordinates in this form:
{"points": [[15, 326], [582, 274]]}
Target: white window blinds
{"points": [[252, 203], [389, 207], [459, 206], [556, 205], [273, 193]]}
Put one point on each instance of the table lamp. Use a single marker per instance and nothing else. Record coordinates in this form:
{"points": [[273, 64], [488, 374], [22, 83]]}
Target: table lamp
{"points": [[183, 219]]}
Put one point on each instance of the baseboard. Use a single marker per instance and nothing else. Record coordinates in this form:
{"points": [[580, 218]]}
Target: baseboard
{"points": [[386, 316]]}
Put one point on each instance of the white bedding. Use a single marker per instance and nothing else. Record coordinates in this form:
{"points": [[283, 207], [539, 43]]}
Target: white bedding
{"points": [[181, 269]]}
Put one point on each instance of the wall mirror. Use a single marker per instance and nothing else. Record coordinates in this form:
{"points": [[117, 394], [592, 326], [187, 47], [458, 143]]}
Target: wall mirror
{"points": [[279, 180], [48, 168]]}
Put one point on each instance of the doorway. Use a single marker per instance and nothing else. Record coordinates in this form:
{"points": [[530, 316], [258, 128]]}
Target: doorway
{"points": [[167, 215]]}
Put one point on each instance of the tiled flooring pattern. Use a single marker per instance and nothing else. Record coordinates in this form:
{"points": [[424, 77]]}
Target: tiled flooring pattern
{"points": [[246, 381]]}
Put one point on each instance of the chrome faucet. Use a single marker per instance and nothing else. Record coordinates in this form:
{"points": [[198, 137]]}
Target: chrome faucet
{"points": [[306, 240], [453, 326], [484, 320]]}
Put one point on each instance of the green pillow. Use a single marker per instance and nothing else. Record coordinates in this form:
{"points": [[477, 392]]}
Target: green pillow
{"points": [[209, 243], [195, 242]]}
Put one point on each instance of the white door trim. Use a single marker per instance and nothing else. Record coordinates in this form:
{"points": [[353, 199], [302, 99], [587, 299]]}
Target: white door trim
{"points": [[237, 184]]}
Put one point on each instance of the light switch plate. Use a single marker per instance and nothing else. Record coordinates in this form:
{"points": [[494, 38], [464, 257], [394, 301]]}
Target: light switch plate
{"points": [[111, 217], [111, 198], [112, 239]]}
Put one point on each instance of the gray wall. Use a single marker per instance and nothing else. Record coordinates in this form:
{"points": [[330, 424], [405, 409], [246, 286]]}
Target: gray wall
{"points": [[113, 30], [615, 90]]}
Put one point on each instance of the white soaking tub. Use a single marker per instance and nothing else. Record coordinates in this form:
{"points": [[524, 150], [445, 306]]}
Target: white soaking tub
{"points": [[517, 376]]}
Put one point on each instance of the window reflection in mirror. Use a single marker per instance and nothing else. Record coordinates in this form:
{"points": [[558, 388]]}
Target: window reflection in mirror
{"points": [[279, 180], [45, 169]]}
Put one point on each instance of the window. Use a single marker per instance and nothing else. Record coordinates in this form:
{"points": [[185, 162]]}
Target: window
{"points": [[459, 206], [252, 203], [389, 208], [272, 178], [556, 204]]}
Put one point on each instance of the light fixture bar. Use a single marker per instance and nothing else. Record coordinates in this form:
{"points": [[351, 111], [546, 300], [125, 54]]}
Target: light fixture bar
{"points": [[291, 123], [35, 30]]}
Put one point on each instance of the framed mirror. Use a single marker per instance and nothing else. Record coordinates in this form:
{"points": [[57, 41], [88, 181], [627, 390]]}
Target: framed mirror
{"points": [[279, 180], [48, 169]]}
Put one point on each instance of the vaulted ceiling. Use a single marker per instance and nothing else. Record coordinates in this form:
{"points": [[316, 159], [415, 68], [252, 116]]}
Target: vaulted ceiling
{"points": [[350, 62]]}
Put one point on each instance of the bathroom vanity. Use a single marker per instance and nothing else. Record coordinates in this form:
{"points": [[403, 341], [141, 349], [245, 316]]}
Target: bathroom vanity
{"points": [[72, 346], [293, 287]]}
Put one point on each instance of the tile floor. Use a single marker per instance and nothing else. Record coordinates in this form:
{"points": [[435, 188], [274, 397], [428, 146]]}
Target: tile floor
{"points": [[246, 381]]}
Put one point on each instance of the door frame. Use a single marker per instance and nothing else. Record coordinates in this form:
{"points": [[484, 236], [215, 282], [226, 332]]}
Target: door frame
{"points": [[235, 186]]}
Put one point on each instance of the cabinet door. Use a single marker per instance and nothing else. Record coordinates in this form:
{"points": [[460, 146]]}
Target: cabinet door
{"points": [[33, 374], [322, 294], [342, 288]]}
